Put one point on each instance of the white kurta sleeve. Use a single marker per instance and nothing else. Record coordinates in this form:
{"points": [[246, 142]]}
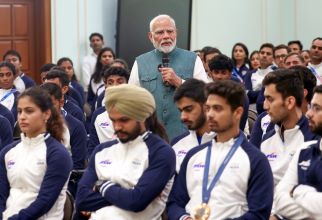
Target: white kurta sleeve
{"points": [[86, 72], [134, 76], [199, 71]]}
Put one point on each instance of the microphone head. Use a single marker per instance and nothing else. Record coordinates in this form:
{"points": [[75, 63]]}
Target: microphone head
{"points": [[165, 60]]}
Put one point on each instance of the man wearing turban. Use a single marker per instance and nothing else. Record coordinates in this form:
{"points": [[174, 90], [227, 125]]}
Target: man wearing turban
{"points": [[130, 177]]}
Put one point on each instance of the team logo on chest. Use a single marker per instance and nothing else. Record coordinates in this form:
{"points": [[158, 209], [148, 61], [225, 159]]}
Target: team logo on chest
{"points": [[181, 153], [10, 164], [105, 163], [265, 124], [198, 166], [40, 162], [104, 124], [136, 163], [254, 80], [271, 156], [234, 166]]}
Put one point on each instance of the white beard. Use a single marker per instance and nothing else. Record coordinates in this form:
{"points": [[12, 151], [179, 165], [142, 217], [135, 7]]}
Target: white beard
{"points": [[164, 49]]}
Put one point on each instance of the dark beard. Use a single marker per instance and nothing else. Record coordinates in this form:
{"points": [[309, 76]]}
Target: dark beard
{"points": [[200, 122], [131, 136], [317, 129]]}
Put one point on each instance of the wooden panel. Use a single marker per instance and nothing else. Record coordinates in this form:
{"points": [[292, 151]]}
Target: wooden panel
{"points": [[23, 34], [43, 35], [25, 27], [5, 18], [45, 32], [21, 13], [5, 45], [22, 46]]}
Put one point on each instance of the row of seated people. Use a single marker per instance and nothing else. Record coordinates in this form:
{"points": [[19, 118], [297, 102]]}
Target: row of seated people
{"points": [[252, 68], [100, 128], [190, 97], [14, 81], [268, 56]]}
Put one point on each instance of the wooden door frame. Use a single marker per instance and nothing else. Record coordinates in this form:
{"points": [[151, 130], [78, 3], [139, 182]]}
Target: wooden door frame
{"points": [[43, 50]]}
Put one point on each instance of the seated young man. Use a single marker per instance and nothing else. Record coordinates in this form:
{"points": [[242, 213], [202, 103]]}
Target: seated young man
{"points": [[253, 80], [227, 178], [60, 78], [299, 193], [131, 176], [190, 99], [101, 129], [284, 94], [221, 68], [263, 121]]}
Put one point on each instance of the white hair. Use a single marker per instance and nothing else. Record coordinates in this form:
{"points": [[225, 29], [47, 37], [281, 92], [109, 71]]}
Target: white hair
{"points": [[161, 17]]}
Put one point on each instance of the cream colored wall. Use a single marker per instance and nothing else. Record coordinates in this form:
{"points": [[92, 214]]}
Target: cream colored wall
{"points": [[214, 22], [253, 22], [72, 23]]}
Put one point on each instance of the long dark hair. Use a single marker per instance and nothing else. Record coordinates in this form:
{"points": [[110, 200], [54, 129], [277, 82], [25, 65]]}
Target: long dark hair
{"points": [[153, 124], [97, 75], [250, 58], [64, 59], [246, 60], [42, 99]]}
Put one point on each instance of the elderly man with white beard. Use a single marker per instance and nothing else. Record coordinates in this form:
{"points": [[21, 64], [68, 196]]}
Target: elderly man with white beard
{"points": [[163, 69]]}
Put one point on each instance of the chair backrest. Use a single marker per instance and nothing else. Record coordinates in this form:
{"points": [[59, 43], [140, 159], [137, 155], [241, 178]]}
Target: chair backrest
{"points": [[252, 116], [16, 132], [69, 206]]}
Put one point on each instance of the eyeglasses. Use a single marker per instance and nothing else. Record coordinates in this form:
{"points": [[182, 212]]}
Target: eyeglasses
{"points": [[280, 56]]}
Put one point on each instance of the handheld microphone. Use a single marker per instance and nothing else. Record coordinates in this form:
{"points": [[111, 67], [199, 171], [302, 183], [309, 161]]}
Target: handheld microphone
{"points": [[165, 63]]}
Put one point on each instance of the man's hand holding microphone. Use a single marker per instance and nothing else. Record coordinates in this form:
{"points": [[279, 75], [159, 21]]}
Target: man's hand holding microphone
{"points": [[169, 77]]}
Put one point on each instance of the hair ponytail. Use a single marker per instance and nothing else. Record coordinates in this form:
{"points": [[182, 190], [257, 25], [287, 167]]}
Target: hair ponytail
{"points": [[55, 125]]}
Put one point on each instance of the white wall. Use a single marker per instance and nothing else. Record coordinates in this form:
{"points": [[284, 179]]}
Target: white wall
{"points": [[72, 23], [308, 15], [223, 23]]}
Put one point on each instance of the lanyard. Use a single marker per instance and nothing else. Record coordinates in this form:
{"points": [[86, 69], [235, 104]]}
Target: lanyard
{"points": [[7, 95], [64, 112], [206, 192], [236, 74]]}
